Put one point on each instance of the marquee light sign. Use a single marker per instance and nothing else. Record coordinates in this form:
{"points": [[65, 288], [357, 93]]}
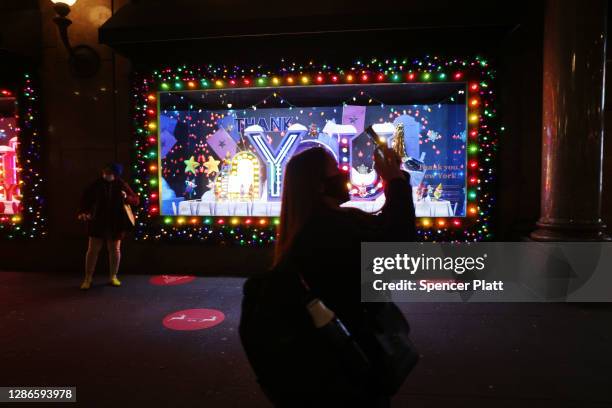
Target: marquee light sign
{"points": [[275, 158]]}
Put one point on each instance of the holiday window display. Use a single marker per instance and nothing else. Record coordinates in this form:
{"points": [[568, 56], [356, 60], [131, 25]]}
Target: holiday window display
{"points": [[21, 181], [236, 157], [10, 195], [213, 143]]}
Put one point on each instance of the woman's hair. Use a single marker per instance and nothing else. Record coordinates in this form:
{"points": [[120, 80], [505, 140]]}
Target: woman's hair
{"points": [[303, 176]]}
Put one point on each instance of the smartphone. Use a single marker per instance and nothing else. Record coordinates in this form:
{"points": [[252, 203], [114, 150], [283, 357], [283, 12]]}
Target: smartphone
{"points": [[414, 164], [377, 141]]}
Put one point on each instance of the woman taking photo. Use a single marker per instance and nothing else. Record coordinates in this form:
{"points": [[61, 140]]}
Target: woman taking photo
{"points": [[105, 209], [320, 241]]}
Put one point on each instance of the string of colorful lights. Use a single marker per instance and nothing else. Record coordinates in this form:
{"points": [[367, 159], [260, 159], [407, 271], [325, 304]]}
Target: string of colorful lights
{"points": [[28, 221], [482, 140]]}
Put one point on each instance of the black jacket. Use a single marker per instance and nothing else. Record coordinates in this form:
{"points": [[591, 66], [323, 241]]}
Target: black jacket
{"points": [[287, 356], [328, 249], [104, 201]]}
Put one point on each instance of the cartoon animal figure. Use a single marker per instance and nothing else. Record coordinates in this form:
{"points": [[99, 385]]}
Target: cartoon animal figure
{"points": [[362, 178], [313, 131], [421, 191], [438, 192], [190, 186], [429, 193]]}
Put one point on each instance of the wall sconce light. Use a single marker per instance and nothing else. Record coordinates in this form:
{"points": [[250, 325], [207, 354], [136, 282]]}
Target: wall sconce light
{"points": [[84, 60]]}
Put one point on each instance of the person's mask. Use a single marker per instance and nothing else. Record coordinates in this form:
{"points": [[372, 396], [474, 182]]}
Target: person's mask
{"points": [[337, 187], [109, 177]]}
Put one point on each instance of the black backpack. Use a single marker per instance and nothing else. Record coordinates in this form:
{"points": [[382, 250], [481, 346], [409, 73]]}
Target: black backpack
{"points": [[279, 339], [276, 332]]}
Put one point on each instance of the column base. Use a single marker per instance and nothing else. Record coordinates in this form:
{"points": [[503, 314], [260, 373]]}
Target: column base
{"points": [[566, 230]]}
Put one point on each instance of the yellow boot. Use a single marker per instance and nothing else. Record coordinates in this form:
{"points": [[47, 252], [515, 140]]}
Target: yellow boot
{"points": [[115, 282]]}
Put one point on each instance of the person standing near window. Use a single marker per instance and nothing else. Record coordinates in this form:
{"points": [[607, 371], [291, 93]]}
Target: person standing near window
{"points": [[105, 208], [321, 241]]}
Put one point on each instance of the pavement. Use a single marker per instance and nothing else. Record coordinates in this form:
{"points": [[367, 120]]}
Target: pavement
{"points": [[112, 345]]}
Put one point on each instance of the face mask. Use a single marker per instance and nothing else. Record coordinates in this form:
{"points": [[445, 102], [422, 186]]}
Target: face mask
{"points": [[336, 187]]}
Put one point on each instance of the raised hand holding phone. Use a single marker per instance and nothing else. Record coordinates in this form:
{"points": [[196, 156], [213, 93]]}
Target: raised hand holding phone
{"points": [[386, 161], [376, 139], [387, 164]]}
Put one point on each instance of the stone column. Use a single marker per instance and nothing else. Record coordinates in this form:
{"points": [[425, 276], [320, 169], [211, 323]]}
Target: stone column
{"points": [[572, 121]]}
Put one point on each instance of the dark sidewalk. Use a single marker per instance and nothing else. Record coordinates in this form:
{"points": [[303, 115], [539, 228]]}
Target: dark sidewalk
{"points": [[110, 343]]}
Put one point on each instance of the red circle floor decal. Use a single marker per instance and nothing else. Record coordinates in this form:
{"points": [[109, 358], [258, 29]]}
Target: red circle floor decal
{"points": [[171, 280], [193, 319]]}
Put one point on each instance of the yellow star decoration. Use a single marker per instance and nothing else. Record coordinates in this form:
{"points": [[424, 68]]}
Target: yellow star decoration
{"points": [[212, 165], [191, 165]]}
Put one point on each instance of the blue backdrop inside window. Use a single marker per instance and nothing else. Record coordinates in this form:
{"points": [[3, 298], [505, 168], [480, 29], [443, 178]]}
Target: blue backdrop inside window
{"points": [[198, 148]]}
